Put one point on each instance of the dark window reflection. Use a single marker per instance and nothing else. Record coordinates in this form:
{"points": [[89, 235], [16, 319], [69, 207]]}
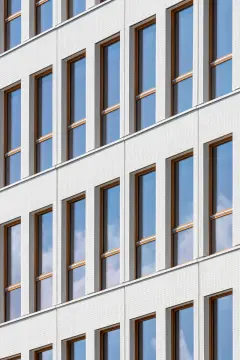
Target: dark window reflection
{"points": [[13, 304], [77, 141], [146, 111], [13, 6], [45, 243], [222, 79], [76, 7], [13, 168], [111, 345], [184, 334], [146, 259], [183, 246], [146, 339], [45, 355], [44, 294], [44, 105], [182, 95], [111, 127], [78, 350], [77, 283], [78, 90], [44, 155], [111, 271], [222, 233], [44, 16], [13, 33]]}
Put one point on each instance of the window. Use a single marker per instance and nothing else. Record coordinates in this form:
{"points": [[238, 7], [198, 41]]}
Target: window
{"points": [[13, 270], [183, 333], [44, 121], [221, 327], [110, 88], [77, 349], [146, 222], [76, 253], [13, 135], [77, 107], [220, 47], [76, 7], [145, 75], [145, 338], [110, 344], [43, 15], [44, 354], [182, 58], [12, 23], [182, 210], [221, 195], [110, 235], [44, 260]]}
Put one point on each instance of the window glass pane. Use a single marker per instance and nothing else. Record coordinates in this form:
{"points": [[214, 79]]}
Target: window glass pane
{"points": [[222, 176], [45, 355], [13, 6], [183, 191], [184, 41], [44, 155], [111, 74], [222, 79], [13, 36], [78, 90], [184, 334], [13, 119], [146, 259], [146, 58], [13, 168], [146, 205], [147, 340], [222, 28], [111, 218], [14, 254], [77, 283], [222, 233], [13, 304], [111, 127], [44, 16], [183, 246], [44, 105], [146, 110], [182, 95], [111, 345], [45, 243], [223, 328], [110, 271], [78, 228], [76, 7], [77, 141], [78, 350], [44, 294]]}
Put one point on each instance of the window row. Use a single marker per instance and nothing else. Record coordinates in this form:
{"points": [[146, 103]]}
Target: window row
{"points": [[182, 225], [220, 330]]}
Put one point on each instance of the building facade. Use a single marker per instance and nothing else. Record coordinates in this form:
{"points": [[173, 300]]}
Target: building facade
{"points": [[119, 178]]}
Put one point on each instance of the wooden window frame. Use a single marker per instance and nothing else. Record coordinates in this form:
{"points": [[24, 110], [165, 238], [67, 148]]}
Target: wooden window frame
{"points": [[182, 227], [211, 319], [137, 322], [14, 151], [148, 239], [180, 78], [139, 96], [112, 108], [14, 357], [44, 276], [222, 213], [8, 19], [72, 266], [102, 333], [71, 126], [37, 4], [105, 255], [71, 341], [39, 351]]}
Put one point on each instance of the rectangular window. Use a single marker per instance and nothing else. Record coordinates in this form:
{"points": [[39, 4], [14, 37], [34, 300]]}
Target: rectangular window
{"points": [[13, 135], [44, 354], [110, 235], [44, 259], [221, 327], [76, 253], [220, 47], [182, 210], [44, 121], [12, 23], [43, 15], [183, 333], [77, 349], [221, 195], [12, 251], [76, 7], [145, 75], [110, 91], [77, 107], [145, 222], [110, 344], [145, 338], [182, 58]]}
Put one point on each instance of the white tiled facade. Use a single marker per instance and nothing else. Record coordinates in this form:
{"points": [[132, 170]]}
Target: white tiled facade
{"points": [[193, 130]]}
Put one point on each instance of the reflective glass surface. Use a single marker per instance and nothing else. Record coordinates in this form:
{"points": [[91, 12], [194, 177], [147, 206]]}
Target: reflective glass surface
{"points": [[222, 79], [184, 334], [45, 243], [147, 339], [77, 141], [78, 90], [146, 205], [76, 7], [146, 111], [44, 16], [146, 259], [222, 28], [44, 155], [13, 6], [44, 105], [14, 254], [77, 283], [111, 345], [222, 233], [78, 228], [111, 74], [111, 218], [110, 271], [13, 168], [146, 58], [45, 355], [13, 119], [44, 294], [78, 350], [222, 176], [13, 304], [183, 246], [111, 127], [13, 36], [182, 95]]}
